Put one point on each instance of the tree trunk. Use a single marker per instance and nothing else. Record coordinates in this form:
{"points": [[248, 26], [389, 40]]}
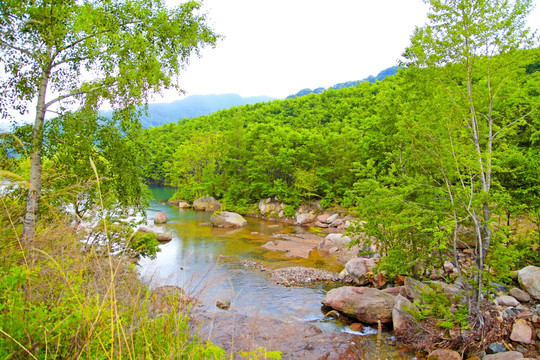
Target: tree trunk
{"points": [[34, 183]]}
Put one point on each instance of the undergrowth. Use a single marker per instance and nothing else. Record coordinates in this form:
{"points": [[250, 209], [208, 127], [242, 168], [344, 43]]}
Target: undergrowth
{"points": [[61, 298]]}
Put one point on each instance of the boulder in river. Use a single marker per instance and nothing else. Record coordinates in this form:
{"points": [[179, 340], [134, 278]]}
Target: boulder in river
{"points": [[227, 219], [358, 269], [202, 203], [160, 218], [164, 237], [365, 304], [529, 279]]}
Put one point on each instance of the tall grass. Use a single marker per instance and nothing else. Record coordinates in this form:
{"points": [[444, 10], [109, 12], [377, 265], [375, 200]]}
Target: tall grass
{"points": [[63, 299]]}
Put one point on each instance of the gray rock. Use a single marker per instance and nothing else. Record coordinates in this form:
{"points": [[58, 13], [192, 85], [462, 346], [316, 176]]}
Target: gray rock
{"points": [[520, 295], [332, 218], [334, 240], [358, 268], [202, 203], [164, 237], [529, 279], [508, 355], [302, 219], [495, 348], [506, 300], [400, 317], [365, 304], [227, 219], [414, 287]]}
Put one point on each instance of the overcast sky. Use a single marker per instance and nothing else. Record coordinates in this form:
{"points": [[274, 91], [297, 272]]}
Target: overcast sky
{"points": [[278, 47]]}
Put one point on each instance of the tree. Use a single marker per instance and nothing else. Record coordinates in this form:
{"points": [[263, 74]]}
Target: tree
{"points": [[69, 53], [469, 52]]}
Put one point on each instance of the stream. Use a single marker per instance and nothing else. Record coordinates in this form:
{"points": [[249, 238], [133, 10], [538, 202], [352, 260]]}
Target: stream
{"points": [[205, 261]]}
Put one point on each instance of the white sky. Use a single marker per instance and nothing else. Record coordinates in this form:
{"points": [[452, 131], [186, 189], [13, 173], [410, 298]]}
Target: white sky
{"points": [[279, 47]]}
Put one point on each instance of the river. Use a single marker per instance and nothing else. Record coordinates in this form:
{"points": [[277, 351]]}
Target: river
{"points": [[204, 261]]}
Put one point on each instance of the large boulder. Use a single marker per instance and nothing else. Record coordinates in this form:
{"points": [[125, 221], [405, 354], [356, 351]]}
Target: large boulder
{"points": [[400, 317], [160, 218], [227, 219], [304, 218], [339, 241], [365, 304], [529, 279], [358, 269], [202, 203]]}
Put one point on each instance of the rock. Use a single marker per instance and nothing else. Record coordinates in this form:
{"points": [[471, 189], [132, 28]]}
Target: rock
{"points": [[400, 316], [378, 280], [356, 327], [336, 223], [448, 266], [291, 248], [144, 229], [538, 334], [444, 354], [414, 287], [358, 268], [183, 204], [332, 218], [508, 355], [365, 304], [201, 203], [520, 295], [448, 289], [227, 219], [164, 237], [302, 219], [224, 304], [521, 332], [321, 224], [323, 217], [160, 218], [396, 290], [529, 279], [495, 348], [213, 206], [506, 300], [338, 240]]}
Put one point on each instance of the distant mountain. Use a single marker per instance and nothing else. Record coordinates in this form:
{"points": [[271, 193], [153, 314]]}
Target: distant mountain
{"points": [[193, 106], [386, 72]]}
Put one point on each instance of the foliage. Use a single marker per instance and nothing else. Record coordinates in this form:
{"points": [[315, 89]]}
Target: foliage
{"points": [[260, 353], [435, 304]]}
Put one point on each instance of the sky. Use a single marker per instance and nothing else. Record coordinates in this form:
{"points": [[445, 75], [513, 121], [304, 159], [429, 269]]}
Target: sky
{"points": [[278, 47]]}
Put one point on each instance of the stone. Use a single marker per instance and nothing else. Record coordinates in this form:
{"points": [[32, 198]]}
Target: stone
{"points": [[521, 332], [320, 224], [338, 240], [201, 203], [164, 237], [336, 223], [227, 219], [365, 304], [160, 218], [400, 317], [302, 219], [358, 268], [520, 295], [495, 348], [448, 266], [506, 300], [529, 279], [224, 304], [378, 280], [213, 206], [444, 354], [414, 287], [508, 355], [448, 289], [144, 229], [182, 204], [332, 218], [396, 290], [323, 217], [356, 327]]}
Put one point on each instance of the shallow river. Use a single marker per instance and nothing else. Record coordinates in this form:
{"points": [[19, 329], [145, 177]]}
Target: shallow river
{"points": [[199, 259]]}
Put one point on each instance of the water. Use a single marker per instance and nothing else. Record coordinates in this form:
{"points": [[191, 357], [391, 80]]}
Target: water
{"points": [[205, 262]]}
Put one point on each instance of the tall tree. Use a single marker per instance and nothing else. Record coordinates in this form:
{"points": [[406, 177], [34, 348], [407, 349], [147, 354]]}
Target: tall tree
{"points": [[471, 51], [79, 53]]}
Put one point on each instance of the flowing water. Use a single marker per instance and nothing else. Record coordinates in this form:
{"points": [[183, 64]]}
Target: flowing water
{"points": [[204, 261]]}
